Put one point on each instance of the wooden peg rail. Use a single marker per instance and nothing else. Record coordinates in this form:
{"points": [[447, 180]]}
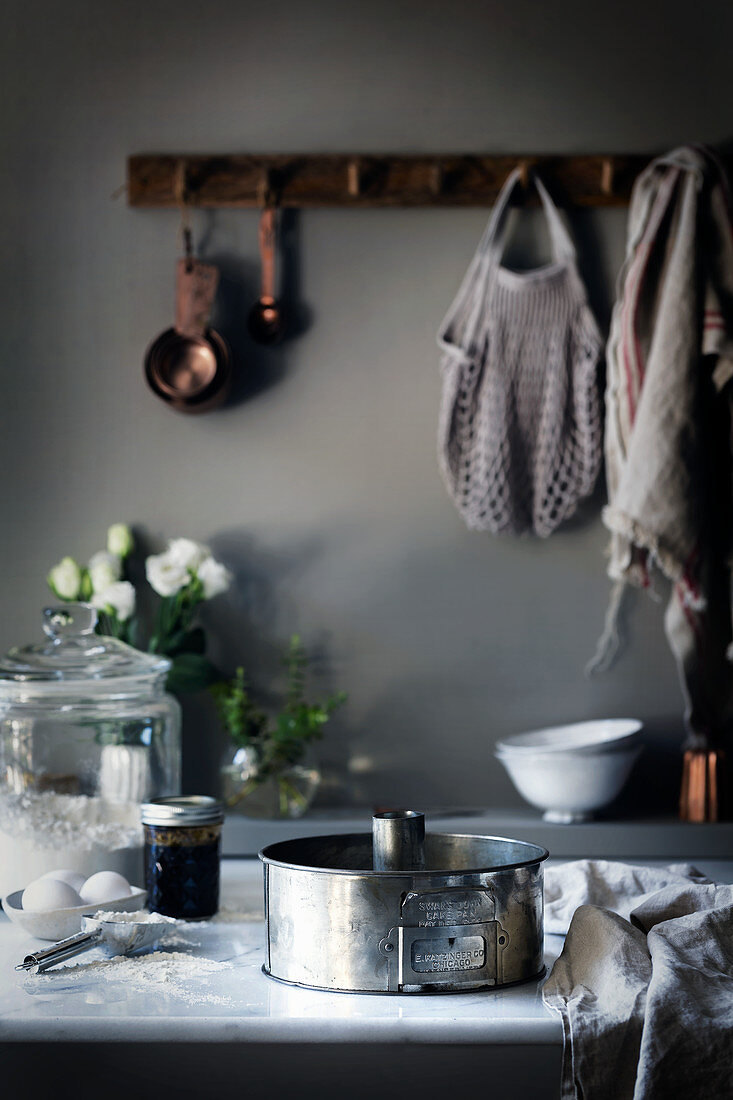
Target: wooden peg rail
{"points": [[368, 180]]}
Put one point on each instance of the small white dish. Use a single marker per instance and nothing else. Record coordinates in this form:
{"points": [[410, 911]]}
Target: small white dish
{"points": [[57, 924], [597, 735]]}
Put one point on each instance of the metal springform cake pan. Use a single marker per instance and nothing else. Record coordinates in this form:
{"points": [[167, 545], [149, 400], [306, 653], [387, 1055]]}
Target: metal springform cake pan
{"points": [[399, 911]]}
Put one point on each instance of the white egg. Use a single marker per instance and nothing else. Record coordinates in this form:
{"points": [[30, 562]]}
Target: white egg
{"points": [[46, 894], [105, 886], [74, 879]]}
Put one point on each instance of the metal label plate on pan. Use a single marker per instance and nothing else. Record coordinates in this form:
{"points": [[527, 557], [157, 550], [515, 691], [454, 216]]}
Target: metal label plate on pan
{"points": [[448, 953], [439, 957], [447, 907]]}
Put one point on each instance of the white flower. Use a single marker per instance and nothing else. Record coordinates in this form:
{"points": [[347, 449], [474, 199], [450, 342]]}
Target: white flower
{"points": [[118, 599], [183, 561], [214, 576], [165, 575], [104, 569], [119, 540], [64, 580], [187, 553]]}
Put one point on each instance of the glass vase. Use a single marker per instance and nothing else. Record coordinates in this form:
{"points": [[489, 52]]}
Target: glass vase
{"points": [[287, 794]]}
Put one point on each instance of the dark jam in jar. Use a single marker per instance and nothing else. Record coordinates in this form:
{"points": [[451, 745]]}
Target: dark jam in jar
{"points": [[182, 854]]}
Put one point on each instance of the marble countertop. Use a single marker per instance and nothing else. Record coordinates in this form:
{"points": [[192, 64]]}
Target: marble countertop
{"points": [[229, 998], [225, 997]]}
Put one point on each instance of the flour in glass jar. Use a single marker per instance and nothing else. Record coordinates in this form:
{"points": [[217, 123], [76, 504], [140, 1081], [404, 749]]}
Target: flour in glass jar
{"points": [[41, 831]]}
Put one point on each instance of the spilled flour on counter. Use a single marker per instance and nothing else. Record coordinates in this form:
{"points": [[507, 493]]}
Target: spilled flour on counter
{"points": [[168, 972]]}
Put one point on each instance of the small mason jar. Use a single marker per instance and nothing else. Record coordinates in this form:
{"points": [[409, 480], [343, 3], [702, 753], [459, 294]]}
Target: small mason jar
{"points": [[182, 855]]}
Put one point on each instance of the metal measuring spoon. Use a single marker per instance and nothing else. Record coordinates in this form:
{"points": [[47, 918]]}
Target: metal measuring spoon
{"points": [[118, 937], [265, 318]]}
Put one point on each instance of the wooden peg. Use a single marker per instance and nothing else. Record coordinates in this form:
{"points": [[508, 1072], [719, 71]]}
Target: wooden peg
{"points": [[264, 188], [353, 178], [523, 167], [607, 173], [436, 178], [180, 182]]}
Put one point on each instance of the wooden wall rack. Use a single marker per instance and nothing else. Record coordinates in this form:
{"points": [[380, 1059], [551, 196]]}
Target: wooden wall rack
{"points": [[367, 180]]}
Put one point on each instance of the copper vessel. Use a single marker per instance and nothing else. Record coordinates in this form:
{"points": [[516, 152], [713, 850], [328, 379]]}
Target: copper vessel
{"points": [[189, 366], [265, 319], [704, 794]]}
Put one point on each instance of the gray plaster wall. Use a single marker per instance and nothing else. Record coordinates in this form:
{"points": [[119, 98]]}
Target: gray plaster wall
{"points": [[318, 484]]}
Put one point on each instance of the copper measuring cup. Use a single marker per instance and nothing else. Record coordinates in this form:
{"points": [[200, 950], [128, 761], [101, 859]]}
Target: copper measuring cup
{"points": [[189, 366]]}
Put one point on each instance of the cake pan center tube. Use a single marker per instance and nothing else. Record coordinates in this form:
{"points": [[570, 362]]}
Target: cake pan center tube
{"points": [[399, 840]]}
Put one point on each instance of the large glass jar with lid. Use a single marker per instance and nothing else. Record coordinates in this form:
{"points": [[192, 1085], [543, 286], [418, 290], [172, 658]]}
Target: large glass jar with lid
{"points": [[87, 733]]}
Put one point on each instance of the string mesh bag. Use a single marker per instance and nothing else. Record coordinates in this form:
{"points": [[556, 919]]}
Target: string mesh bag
{"points": [[519, 438]]}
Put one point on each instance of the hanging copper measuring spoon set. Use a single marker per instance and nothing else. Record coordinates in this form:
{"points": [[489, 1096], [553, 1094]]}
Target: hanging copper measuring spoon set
{"points": [[189, 366]]}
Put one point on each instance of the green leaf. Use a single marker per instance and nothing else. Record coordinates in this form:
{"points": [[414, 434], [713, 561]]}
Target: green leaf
{"points": [[240, 717], [191, 672], [184, 641], [133, 632]]}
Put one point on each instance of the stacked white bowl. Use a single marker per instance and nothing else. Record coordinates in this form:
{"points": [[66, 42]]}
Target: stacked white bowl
{"points": [[569, 772]]}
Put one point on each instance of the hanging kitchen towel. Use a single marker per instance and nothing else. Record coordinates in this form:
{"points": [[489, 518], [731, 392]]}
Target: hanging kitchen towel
{"points": [[646, 1003], [668, 451], [519, 436]]}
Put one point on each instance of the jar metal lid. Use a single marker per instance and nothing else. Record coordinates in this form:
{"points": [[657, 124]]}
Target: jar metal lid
{"points": [[194, 809]]}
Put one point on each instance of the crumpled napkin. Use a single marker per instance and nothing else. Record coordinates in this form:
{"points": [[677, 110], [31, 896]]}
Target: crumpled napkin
{"points": [[617, 886], [644, 983]]}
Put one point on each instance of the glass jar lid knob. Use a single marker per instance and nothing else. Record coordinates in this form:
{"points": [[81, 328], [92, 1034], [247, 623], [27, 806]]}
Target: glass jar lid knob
{"points": [[65, 622]]}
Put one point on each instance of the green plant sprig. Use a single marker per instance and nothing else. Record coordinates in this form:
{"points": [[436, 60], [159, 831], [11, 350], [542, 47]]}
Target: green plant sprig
{"points": [[282, 743]]}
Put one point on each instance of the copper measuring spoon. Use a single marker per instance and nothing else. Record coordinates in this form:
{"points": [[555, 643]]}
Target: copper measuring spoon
{"points": [[265, 318]]}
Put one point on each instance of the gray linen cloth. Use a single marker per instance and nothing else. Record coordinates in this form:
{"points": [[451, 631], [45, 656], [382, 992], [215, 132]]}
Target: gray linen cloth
{"points": [[646, 1002]]}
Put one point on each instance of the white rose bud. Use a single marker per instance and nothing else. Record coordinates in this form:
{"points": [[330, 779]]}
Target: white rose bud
{"points": [[215, 577], [104, 569], [118, 599], [119, 540], [187, 553], [165, 575], [64, 580]]}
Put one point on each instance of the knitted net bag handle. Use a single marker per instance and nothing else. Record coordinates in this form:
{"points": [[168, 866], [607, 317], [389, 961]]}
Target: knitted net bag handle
{"points": [[519, 430]]}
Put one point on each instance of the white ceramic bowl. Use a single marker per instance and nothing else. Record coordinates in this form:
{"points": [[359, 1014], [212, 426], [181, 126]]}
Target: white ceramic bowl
{"points": [[569, 772], [57, 924], [600, 734]]}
